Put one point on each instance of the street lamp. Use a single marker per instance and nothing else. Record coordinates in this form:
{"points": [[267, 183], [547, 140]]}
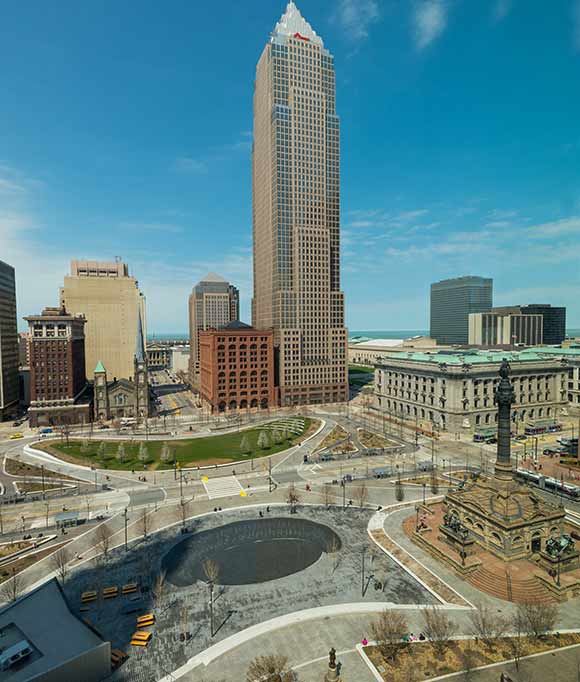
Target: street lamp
{"points": [[125, 515]]}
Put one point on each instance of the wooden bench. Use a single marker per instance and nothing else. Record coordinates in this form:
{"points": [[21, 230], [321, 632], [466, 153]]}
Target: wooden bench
{"points": [[141, 638], [88, 596], [129, 588], [110, 592], [145, 621], [118, 657]]}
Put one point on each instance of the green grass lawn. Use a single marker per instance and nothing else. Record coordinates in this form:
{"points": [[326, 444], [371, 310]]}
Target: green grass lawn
{"points": [[360, 369], [190, 452]]}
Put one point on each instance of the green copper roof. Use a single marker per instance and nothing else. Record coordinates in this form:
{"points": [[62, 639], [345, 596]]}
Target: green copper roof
{"points": [[99, 368], [469, 357]]}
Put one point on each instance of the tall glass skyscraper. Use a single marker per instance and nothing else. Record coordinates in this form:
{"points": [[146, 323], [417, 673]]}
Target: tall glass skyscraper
{"points": [[296, 213]]}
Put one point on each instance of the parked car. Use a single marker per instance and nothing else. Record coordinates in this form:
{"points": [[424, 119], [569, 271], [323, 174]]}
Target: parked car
{"points": [[46, 430], [14, 436]]}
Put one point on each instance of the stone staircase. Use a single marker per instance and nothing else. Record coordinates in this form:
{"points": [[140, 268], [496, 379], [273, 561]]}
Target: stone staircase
{"points": [[506, 587]]}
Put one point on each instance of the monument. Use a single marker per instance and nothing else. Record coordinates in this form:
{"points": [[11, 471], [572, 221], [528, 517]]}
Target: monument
{"points": [[499, 513], [332, 673]]}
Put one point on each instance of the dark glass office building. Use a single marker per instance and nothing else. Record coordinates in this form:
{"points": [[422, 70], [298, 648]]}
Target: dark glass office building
{"points": [[554, 321], [452, 300]]}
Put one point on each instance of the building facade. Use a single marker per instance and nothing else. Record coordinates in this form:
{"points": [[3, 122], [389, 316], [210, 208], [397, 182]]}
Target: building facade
{"points": [[370, 351], [296, 213], [58, 385], [9, 382], [158, 356], [212, 304], [237, 368], [121, 398], [505, 329], [455, 391], [111, 302], [553, 319], [452, 301]]}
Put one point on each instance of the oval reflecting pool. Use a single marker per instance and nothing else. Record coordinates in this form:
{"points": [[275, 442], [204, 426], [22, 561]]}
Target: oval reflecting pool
{"points": [[250, 551]]}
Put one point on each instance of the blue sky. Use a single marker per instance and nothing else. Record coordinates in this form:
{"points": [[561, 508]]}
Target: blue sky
{"points": [[125, 129]]}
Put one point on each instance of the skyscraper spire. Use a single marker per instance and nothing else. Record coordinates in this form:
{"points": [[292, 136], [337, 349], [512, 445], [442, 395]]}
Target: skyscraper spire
{"points": [[292, 23], [140, 343]]}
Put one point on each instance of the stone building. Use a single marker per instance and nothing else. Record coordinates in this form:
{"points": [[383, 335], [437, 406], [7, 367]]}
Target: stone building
{"points": [[296, 213], [237, 368], [455, 390], [370, 351], [121, 398], [158, 356], [112, 304], [58, 386]]}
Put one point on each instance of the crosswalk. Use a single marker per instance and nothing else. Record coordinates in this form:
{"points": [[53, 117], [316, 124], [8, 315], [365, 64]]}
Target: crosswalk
{"points": [[225, 486]]}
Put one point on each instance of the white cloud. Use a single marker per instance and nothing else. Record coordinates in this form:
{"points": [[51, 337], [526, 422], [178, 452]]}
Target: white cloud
{"points": [[187, 164], [556, 228], [429, 21], [499, 214], [501, 9], [356, 16], [150, 227]]}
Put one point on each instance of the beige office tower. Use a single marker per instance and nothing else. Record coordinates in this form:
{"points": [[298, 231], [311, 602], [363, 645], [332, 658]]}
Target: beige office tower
{"points": [[110, 300], [296, 210], [213, 303]]}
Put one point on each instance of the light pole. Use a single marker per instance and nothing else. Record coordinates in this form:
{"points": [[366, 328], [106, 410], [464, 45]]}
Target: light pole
{"points": [[125, 515], [46, 505]]}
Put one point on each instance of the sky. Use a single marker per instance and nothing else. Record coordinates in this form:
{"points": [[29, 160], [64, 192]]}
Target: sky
{"points": [[126, 129]]}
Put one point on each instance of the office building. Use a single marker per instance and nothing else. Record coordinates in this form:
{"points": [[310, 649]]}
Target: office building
{"points": [[505, 329], [212, 303], [237, 368], [554, 319], [296, 213], [111, 302], [58, 386], [9, 382], [452, 301], [455, 391]]}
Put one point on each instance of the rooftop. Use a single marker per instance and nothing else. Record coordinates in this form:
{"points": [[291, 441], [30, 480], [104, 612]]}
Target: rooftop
{"points": [[292, 23], [477, 357]]}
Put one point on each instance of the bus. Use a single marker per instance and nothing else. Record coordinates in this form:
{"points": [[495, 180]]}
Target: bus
{"points": [[537, 426], [488, 435]]}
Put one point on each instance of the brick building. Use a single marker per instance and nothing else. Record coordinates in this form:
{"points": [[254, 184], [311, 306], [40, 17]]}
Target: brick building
{"points": [[58, 386], [237, 368]]}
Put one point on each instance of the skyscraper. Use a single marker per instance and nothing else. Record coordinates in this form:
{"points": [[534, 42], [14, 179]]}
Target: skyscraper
{"points": [[452, 300], [111, 302], [213, 303], [9, 392], [554, 319], [296, 212]]}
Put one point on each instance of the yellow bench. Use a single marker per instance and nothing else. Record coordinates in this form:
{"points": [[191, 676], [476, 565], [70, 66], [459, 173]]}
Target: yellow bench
{"points": [[110, 592], [88, 596], [141, 638], [129, 588], [147, 619]]}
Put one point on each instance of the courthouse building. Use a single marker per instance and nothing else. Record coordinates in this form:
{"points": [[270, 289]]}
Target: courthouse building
{"points": [[455, 390]]}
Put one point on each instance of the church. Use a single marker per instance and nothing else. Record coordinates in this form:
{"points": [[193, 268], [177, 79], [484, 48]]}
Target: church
{"points": [[121, 398]]}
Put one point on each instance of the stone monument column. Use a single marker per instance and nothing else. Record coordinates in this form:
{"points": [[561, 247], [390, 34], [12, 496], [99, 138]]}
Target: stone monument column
{"points": [[504, 399]]}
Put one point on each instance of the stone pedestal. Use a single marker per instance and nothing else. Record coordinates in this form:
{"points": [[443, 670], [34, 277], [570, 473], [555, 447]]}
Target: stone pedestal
{"points": [[331, 675], [567, 562], [456, 541]]}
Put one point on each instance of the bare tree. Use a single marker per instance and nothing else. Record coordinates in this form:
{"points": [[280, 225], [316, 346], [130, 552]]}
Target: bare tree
{"points": [[516, 641], [211, 570], [388, 631], [486, 625], [538, 619], [182, 511], [468, 661], [399, 491], [158, 589], [59, 562], [434, 482], [13, 587], [103, 536], [333, 548], [438, 628], [326, 495], [143, 523], [292, 497], [361, 494], [269, 668]]}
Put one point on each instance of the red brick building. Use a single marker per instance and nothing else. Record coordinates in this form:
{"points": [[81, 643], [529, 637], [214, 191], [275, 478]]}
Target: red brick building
{"points": [[237, 368], [58, 385]]}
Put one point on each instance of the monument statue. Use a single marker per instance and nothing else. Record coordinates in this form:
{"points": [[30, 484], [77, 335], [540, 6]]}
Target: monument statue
{"points": [[332, 658], [504, 398]]}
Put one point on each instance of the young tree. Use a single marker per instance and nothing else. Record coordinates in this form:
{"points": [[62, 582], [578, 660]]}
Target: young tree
{"points": [[103, 536], [143, 523], [211, 570], [333, 548], [399, 491], [182, 511], [434, 482], [101, 452], [166, 455], [85, 446], [245, 447], [516, 641], [143, 453], [388, 631], [486, 625], [326, 495], [158, 589], [263, 440], [276, 437], [59, 562], [121, 455], [538, 619], [269, 668], [292, 498], [468, 661], [361, 494], [438, 628], [13, 587]]}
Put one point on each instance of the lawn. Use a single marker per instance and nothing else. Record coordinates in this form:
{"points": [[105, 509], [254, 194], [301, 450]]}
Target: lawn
{"points": [[360, 369], [190, 452]]}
